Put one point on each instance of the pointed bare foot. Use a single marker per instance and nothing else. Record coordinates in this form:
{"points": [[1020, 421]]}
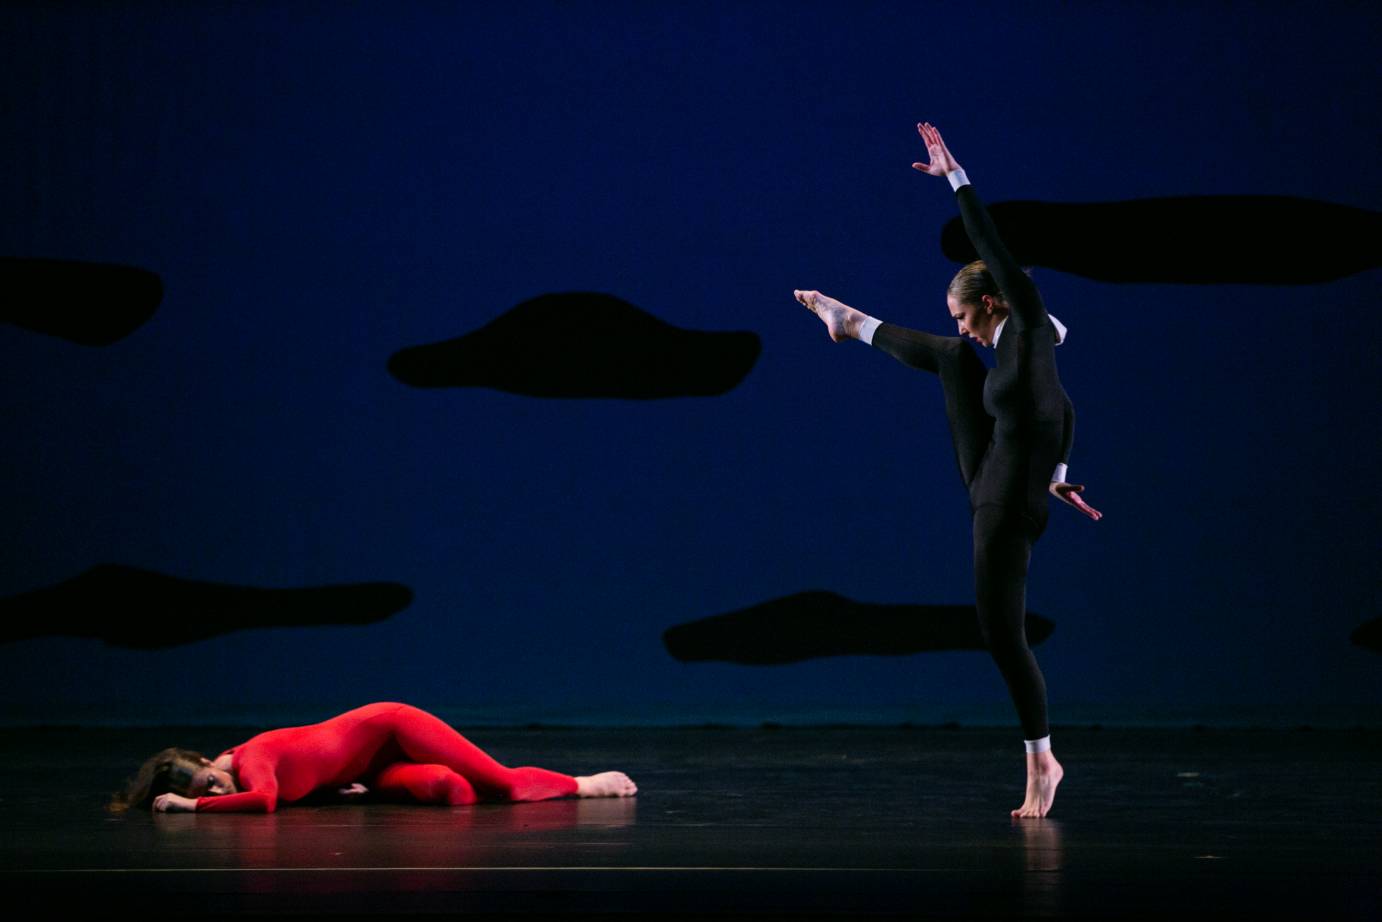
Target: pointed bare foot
{"points": [[841, 320], [1044, 775], [606, 784]]}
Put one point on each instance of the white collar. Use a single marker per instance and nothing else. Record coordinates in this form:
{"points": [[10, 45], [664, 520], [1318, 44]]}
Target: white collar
{"points": [[1060, 330]]}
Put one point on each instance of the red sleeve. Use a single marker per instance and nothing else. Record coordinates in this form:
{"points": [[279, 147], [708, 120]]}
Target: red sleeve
{"points": [[255, 773], [244, 802]]}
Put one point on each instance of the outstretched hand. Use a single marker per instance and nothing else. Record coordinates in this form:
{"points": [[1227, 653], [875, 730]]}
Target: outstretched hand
{"points": [[1069, 493], [942, 161]]}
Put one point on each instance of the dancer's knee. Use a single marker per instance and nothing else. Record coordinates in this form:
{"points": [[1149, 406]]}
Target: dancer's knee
{"points": [[423, 783], [439, 784], [1004, 644], [455, 790]]}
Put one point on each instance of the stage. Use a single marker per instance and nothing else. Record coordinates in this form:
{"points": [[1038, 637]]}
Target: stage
{"points": [[1238, 823]]}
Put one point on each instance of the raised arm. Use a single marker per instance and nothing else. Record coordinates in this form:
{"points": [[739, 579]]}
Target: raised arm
{"points": [[1018, 289]]}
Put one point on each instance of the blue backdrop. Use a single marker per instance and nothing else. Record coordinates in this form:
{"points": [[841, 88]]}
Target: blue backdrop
{"points": [[320, 184]]}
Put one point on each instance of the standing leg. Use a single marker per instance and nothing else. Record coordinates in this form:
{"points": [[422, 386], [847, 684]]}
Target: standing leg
{"points": [[1002, 551]]}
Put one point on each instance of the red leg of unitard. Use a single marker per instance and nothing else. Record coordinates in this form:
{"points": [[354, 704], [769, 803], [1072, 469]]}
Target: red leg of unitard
{"points": [[422, 784], [431, 741]]}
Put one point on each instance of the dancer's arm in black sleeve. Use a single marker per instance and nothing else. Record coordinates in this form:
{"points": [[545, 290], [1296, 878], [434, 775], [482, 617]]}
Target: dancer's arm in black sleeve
{"points": [[1061, 488], [1068, 436], [1017, 287]]}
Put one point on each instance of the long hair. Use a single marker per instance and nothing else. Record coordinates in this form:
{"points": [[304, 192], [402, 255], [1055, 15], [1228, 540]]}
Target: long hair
{"points": [[170, 770]]}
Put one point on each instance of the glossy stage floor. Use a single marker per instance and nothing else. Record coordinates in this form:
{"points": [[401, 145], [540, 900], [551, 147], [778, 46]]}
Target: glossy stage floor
{"points": [[785, 822]]}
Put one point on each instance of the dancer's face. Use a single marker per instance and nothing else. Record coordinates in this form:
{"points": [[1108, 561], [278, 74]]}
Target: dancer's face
{"points": [[977, 320], [209, 781]]}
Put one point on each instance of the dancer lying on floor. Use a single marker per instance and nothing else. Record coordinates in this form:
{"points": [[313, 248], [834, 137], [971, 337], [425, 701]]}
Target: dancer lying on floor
{"points": [[395, 750]]}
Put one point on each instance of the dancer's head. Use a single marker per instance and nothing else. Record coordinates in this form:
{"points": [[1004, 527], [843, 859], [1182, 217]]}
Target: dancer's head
{"points": [[180, 771], [976, 305]]}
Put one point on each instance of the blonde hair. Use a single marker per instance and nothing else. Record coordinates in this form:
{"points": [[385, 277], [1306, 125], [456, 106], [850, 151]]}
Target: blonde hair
{"points": [[974, 281], [169, 770]]}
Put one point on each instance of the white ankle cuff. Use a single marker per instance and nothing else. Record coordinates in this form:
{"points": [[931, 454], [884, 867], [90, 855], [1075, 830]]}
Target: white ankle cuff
{"points": [[866, 330], [1041, 745]]}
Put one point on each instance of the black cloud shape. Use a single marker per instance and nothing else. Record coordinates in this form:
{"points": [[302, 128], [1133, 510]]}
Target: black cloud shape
{"points": [[141, 609], [583, 344], [92, 304], [1208, 239], [1369, 635], [809, 625]]}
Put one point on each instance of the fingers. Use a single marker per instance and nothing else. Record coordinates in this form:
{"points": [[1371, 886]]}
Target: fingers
{"points": [[1068, 493], [922, 167], [1084, 507], [941, 159]]}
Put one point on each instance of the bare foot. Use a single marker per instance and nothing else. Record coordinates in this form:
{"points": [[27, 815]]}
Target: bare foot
{"points": [[1043, 777], [841, 320], [606, 784]]}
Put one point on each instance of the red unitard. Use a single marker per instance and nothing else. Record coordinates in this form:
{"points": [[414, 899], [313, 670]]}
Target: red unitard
{"points": [[398, 751]]}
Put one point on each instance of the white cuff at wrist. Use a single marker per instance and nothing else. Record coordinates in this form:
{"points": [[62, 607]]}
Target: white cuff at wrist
{"points": [[867, 329], [1059, 475], [957, 178]]}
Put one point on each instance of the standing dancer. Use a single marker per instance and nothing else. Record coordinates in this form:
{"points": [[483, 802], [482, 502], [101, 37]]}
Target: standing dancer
{"points": [[1012, 430]]}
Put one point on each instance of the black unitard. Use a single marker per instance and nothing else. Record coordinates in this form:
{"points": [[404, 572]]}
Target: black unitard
{"points": [[1010, 426]]}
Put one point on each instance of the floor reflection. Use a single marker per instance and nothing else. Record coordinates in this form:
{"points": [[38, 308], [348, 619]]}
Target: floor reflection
{"points": [[399, 836], [1044, 860]]}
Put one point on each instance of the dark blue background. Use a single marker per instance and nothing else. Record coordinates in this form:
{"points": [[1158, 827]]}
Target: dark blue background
{"points": [[322, 184]]}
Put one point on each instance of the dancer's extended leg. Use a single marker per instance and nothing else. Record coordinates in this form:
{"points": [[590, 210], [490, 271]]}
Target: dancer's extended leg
{"points": [[962, 375], [961, 372]]}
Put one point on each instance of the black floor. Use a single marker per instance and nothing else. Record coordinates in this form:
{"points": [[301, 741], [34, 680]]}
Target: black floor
{"points": [[1149, 823]]}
